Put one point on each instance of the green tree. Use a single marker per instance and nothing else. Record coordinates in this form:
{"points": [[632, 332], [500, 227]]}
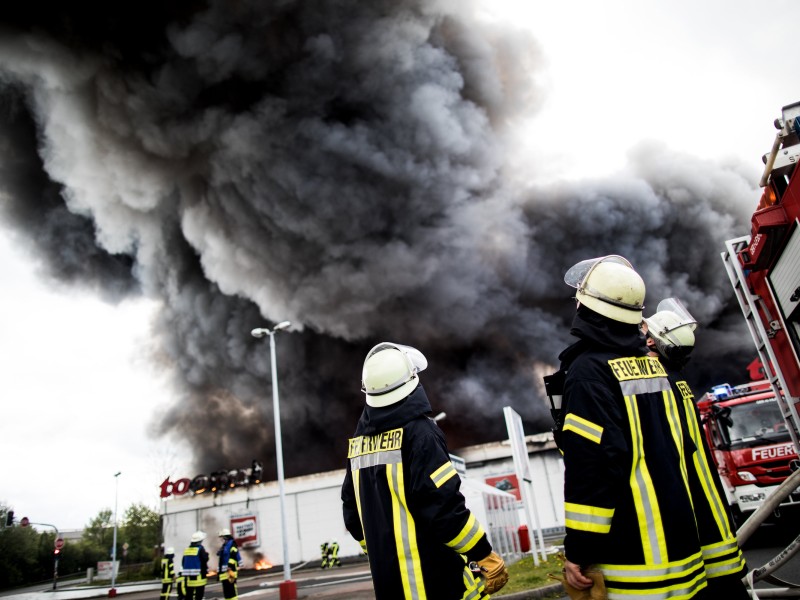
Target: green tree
{"points": [[19, 556], [99, 531], [141, 530], [26, 555]]}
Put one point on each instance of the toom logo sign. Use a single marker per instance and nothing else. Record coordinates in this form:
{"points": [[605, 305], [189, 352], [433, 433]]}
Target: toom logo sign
{"points": [[218, 481], [244, 529], [773, 452]]}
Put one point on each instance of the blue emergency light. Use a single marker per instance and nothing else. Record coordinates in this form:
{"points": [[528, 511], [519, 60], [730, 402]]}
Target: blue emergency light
{"points": [[722, 391]]}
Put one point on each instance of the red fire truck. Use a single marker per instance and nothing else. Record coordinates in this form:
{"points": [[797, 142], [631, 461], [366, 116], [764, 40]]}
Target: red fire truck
{"points": [[750, 444], [764, 270]]}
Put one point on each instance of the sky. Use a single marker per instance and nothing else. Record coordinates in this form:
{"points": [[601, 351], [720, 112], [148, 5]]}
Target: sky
{"points": [[80, 397]]}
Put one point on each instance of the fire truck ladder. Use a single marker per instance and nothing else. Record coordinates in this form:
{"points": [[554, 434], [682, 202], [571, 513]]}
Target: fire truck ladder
{"points": [[749, 305], [788, 405]]}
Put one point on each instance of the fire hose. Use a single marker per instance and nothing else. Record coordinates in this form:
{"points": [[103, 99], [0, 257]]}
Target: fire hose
{"points": [[764, 573]]}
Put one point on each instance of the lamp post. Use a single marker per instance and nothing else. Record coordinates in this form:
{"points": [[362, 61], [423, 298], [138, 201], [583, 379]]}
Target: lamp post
{"points": [[113, 591], [288, 588]]}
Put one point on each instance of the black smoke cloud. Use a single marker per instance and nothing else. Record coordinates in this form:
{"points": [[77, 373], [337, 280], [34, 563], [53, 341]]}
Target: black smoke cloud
{"points": [[342, 165]]}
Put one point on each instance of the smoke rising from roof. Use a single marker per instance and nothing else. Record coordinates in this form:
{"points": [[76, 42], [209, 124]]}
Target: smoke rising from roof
{"points": [[342, 165]]}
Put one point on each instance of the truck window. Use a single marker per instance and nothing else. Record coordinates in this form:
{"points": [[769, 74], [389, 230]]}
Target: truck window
{"points": [[757, 422]]}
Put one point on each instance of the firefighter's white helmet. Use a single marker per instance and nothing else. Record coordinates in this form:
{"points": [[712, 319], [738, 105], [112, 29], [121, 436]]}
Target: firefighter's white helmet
{"points": [[672, 325], [198, 536], [169, 551], [224, 532], [390, 373], [609, 286]]}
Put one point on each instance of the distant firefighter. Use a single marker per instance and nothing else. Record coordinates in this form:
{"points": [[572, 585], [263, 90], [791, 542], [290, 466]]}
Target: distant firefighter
{"points": [[229, 562], [194, 567], [167, 572], [324, 551], [333, 556]]}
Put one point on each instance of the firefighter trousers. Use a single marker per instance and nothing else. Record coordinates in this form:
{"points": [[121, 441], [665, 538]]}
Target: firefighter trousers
{"points": [[166, 588]]}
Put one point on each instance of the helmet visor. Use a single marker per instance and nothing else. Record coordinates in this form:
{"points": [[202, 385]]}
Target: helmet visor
{"points": [[677, 307], [579, 272]]}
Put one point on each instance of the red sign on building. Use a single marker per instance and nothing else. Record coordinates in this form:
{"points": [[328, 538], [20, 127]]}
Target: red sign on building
{"points": [[244, 529]]}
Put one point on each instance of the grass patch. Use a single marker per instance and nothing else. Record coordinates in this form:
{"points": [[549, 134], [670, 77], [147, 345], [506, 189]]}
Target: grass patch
{"points": [[523, 575]]}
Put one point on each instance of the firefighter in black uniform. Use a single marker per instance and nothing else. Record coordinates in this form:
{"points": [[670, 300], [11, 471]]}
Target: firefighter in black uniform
{"points": [[326, 551], [333, 556], [629, 511], [401, 498], [670, 337], [167, 572]]}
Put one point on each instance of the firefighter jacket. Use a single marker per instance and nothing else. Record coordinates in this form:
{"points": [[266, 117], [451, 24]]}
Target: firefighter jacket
{"points": [[721, 553], [195, 565], [167, 569], [229, 559], [628, 448], [401, 502]]}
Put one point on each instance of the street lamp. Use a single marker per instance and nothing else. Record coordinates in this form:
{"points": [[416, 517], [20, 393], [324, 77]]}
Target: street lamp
{"points": [[288, 588], [113, 591]]}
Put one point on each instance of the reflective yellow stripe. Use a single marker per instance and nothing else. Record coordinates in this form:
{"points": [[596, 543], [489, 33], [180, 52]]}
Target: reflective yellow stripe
{"points": [[704, 471], [726, 567], [676, 429], [653, 582], [357, 491], [474, 588], [711, 551], [588, 518], [723, 558], [470, 534], [582, 427], [405, 536], [648, 514], [443, 474]]}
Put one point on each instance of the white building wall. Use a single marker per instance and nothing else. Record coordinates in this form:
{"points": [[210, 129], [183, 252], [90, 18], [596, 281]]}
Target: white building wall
{"points": [[314, 508]]}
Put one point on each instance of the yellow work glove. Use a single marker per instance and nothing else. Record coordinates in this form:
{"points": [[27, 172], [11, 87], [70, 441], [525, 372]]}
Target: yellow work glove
{"points": [[596, 592], [494, 573], [232, 575]]}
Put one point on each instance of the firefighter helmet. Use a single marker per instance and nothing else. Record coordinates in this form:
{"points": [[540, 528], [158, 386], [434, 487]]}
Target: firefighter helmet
{"points": [[609, 286], [224, 532], [169, 552], [390, 373], [672, 325], [198, 536]]}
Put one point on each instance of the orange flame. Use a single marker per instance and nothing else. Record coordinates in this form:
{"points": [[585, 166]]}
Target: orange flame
{"points": [[262, 564]]}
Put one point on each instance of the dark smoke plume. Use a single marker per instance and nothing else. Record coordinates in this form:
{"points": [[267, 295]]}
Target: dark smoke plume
{"points": [[342, 165]]}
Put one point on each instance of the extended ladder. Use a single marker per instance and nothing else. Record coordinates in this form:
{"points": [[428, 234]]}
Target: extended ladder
{"points": [[749, 305]]}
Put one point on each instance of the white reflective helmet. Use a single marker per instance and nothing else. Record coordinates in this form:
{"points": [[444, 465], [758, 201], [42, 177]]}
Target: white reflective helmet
{"points": [[672, 325], [169, 551], [390, 373], [198, 536], [223, 532], [608, 285]]}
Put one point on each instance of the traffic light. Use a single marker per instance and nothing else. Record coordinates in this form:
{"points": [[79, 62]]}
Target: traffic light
{"points": [[9, 518]]}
